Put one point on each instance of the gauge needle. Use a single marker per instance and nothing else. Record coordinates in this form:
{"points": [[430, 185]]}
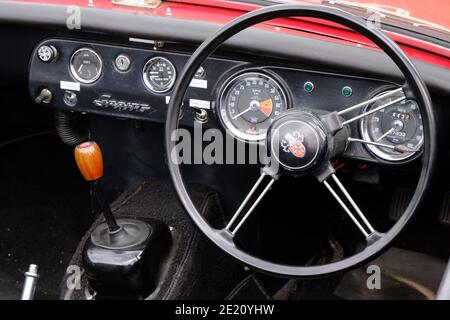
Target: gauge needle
{"points": [[386, 134], [399, 148], [241, 113], [81, 67]]}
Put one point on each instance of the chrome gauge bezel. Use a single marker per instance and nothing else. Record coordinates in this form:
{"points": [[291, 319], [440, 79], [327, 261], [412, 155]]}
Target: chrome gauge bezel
{"points": [[221, 108], [147, 81], [378, 151], [73, 70]]}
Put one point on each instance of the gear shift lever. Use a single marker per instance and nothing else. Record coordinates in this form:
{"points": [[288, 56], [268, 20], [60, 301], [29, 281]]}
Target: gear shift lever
{"points": [[113, 235], [117, 257], [90, 162]]}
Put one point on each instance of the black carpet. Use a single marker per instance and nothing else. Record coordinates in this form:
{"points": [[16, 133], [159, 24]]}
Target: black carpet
{"points": [[44, 211]]}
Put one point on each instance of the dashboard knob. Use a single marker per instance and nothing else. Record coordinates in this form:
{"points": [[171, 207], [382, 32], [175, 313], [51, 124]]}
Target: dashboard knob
{"points": [[47, 53]]}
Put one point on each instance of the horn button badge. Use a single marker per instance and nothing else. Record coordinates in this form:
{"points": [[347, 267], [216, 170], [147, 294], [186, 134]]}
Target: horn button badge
{"points": [[298, 142]]}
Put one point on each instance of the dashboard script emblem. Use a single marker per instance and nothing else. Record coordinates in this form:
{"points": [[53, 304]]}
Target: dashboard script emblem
{"points": [[106, 101], [293, 143]]}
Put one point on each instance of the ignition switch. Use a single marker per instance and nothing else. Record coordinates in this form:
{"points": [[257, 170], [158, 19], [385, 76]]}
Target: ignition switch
{"points": [[70, 98]]}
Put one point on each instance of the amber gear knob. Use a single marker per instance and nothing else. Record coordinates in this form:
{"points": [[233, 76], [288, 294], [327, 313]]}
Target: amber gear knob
{"points": [[89, 160]]}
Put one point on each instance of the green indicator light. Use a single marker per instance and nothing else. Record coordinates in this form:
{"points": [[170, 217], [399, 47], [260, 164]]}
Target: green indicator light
{"points": [[347, 91], [308, 86]]}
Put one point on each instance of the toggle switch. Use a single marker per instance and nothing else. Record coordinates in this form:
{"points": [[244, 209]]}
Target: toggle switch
{"points": [[45, 97]]}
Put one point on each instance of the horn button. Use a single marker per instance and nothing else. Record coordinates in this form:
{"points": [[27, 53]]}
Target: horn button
{"points": [[298, 142]]}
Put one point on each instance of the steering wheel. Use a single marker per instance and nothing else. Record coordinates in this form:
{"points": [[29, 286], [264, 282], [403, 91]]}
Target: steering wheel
{"points": [[317, 136]]}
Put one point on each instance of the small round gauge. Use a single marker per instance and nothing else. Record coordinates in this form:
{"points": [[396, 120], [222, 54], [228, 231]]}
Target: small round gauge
{"points": [[86, 65], [248, 104], [159, 74], [398, 124]]}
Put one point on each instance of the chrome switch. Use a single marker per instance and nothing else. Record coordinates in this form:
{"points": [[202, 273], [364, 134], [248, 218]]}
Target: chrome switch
{"points": [[47, 53]]}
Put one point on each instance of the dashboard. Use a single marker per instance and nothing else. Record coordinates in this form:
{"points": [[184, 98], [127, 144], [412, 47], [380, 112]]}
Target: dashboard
{"points": [[241, 97]]}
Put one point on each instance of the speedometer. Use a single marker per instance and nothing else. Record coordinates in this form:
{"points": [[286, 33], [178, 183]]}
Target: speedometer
{"points": [[398, 124], [249, 103]]}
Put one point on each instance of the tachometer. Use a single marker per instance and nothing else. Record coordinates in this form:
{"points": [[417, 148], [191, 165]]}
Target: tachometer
{"points": [[248, 104], [159, 74], [398, 124]]}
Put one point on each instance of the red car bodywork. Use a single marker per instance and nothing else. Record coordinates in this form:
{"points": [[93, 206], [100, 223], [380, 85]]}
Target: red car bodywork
{"points": [[223, 11]]}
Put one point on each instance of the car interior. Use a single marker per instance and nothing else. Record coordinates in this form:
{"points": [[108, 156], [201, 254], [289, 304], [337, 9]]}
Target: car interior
{"points": [[313, 164]]}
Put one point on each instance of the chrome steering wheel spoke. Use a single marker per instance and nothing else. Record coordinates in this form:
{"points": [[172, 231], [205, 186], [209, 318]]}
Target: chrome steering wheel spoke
{"points": [[238, 219], [372, 100], [363, 224]]}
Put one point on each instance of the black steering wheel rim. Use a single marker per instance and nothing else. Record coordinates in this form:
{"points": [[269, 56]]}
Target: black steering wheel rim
{"points": [[415, 88]]}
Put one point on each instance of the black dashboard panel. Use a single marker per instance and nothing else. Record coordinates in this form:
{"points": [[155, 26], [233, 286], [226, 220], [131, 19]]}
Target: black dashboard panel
{"points": [[125, 95], [115, 93]]}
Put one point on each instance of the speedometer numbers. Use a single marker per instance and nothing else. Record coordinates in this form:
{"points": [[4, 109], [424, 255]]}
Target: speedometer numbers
{"points": [[399, 124], [249, 103]]}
